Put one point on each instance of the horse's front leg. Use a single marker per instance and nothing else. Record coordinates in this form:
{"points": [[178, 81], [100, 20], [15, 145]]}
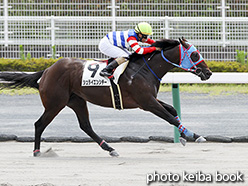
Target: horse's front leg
{"points": [[168, 113], [173, 111]]}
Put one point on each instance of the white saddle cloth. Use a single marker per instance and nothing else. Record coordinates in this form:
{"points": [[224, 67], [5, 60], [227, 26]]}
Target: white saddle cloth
{"points": [[91, 76]]}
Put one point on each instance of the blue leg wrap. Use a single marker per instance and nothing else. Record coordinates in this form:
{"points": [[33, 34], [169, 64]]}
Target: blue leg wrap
{"points": [[183, 130], [178, 119]]}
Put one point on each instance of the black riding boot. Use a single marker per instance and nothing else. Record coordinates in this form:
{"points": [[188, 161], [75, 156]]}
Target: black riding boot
{"points": [[108, 70]]}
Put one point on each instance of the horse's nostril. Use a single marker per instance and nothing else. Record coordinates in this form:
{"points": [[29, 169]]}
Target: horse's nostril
{"points": [[209, 73]]}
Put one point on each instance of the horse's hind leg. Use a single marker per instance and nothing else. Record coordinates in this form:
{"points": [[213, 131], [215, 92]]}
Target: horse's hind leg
{"points": [[41, 124], [79, 106], [53, 100]]}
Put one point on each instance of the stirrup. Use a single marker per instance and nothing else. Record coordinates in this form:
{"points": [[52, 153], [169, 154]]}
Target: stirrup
{"points": [[105, 73]]}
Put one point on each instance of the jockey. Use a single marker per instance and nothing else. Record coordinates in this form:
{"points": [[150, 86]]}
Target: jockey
{"points": [[115, 45]]}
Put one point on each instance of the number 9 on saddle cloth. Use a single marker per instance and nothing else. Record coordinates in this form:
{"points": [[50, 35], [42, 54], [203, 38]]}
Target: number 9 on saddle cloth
{"points": [[91, 77]]}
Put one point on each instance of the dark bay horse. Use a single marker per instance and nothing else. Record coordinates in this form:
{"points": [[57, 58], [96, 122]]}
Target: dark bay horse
{"points": [[60, 86]]}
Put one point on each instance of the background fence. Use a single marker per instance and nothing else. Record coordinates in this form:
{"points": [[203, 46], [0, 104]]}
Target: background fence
{"points": [[75, 27]]}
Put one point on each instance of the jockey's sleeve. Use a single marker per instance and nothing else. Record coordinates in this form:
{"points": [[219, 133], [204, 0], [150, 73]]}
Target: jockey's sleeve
{"points": [[150, 41], [135, 46]]}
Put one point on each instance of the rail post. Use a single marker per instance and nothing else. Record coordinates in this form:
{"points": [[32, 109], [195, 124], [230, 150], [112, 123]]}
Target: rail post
{"points": [[113, 7], [53, 37], [176, 104], [5, 17]]}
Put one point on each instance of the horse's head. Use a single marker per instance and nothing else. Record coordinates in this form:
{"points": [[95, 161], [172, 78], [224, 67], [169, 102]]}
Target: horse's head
{"points": [[192, 60], [188, 57]]}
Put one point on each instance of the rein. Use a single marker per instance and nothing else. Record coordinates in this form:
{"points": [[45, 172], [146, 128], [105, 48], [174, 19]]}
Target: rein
{"points": [[144, 65], [151, 69]]}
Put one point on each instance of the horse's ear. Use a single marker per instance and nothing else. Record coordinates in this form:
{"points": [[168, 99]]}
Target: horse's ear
{"points": [[182, 41]]}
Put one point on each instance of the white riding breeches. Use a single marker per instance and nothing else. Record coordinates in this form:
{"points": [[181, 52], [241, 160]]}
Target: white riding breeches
{"points": [[112, 51]]}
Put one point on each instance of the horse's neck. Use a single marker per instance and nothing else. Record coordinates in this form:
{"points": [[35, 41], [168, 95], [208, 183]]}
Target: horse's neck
{"points": [[160, 66], [157, 66]]}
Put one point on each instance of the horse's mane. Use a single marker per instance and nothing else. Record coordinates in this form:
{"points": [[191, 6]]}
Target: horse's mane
{"points": [[164, 44]]}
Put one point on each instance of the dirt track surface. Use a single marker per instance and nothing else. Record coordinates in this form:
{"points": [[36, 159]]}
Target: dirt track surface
{"points": [[85, 164]]}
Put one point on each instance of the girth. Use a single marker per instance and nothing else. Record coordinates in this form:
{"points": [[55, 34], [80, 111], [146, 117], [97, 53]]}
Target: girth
{"points": [[116, 95]]}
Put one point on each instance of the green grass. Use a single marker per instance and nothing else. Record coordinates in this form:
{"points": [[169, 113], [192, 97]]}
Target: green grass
{"points": [[211, 89], [22, 91]]}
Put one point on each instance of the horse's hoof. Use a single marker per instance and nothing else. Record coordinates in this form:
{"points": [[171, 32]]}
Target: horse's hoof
{"points": [[113, 153], [36, 153], [200, 140], [182, 141]]}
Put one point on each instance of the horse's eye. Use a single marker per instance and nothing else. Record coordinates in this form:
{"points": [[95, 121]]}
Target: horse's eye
{"points": [[195, 56]]}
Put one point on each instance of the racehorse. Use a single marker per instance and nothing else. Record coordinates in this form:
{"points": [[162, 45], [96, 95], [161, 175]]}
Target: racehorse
{"points": [[60, 86]]}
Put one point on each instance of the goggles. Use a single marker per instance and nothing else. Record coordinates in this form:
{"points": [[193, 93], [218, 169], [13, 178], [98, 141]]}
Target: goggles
{"points": [[144, 36]]}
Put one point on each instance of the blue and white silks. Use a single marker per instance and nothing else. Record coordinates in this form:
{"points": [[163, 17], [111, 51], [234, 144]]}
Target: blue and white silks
{"points": [[119, 38]]}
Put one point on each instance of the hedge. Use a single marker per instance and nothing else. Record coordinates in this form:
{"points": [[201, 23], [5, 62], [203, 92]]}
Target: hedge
{"points": [[31, 65], [227, 66], [34, 64]]}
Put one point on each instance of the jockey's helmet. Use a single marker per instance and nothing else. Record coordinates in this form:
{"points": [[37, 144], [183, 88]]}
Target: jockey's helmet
{"points": [[143, 28]]}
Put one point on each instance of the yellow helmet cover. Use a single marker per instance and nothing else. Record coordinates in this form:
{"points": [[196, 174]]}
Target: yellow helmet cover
{"points": [[143, 28]]}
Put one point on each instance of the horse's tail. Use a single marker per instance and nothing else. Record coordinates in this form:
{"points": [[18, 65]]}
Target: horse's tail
{"points": [[20, 80]]}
